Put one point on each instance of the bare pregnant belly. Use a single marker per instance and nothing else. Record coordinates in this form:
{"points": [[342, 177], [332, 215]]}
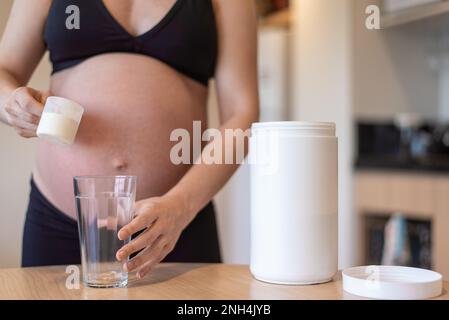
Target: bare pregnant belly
{"points": [[132, 103]]}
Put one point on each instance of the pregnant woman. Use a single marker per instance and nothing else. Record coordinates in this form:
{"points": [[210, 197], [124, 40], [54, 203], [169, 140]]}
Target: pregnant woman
{"points": [[141, 69]]}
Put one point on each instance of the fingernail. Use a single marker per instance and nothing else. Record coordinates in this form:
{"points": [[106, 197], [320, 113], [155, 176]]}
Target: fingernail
{"points": [[140, 275], [121, 255], [129, 266]]}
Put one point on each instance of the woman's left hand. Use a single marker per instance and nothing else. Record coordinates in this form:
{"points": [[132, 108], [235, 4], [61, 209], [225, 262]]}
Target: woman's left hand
{"points": [[163, 218]]}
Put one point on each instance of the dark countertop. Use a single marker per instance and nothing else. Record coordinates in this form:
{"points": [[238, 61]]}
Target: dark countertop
{"points": [[438, 165]]}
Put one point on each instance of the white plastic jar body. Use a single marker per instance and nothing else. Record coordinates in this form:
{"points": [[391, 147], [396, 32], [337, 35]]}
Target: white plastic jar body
{"points": [[294, 202]]}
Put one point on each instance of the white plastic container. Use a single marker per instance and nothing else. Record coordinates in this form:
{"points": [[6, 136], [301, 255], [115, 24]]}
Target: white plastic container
{"points": [[294, 202], [60, 120]]}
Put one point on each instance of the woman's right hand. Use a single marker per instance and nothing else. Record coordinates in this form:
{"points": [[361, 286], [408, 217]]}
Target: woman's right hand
{"points": [[23, 110]]}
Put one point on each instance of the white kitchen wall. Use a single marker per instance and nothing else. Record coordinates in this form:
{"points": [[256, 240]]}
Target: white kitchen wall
{"points": [[322, 91], [16, 163], [443, 85], [392, 69]]}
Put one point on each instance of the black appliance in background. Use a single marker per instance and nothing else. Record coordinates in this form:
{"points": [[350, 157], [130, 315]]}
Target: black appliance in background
{"points": [[377, 139], [424, 146]]}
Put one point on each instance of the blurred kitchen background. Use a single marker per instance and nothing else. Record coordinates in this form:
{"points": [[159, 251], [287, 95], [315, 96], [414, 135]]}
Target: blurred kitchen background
{"points": [[388, 92]]}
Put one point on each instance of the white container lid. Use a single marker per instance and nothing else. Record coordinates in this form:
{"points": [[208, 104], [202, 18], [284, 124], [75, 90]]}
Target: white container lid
{"points": [[306, 128], [392, 282]]}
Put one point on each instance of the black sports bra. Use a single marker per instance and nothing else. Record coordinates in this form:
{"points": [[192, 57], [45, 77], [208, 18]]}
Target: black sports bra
{"points": [[185, 38]]}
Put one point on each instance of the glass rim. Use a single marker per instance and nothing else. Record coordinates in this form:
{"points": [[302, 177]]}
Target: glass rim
{"points": [[104, 177]]}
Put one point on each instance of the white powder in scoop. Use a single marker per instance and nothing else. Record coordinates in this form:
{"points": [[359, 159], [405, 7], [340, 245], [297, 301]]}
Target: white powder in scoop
{"points": [[57, 127]]}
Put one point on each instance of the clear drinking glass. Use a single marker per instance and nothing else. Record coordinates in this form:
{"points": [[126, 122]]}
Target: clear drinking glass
{"points": [[104, 205]]}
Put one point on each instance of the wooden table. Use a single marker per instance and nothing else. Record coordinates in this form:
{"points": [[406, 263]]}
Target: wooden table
{"points": [[168, 281]]}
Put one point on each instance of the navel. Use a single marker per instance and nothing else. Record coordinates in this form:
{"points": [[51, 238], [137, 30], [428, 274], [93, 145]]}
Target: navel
{"points": [[119, 164]]}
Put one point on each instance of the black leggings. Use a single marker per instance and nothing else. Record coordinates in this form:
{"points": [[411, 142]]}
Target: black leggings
{"points": [[51, 238]]}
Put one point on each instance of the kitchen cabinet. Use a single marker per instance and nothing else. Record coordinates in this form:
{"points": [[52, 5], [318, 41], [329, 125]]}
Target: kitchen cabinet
{"points": [[169, 281], [441, 226], [414, 195], [415, 13]]}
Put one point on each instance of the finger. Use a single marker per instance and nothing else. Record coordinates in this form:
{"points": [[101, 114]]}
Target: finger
{"points": [[29, 103], [146, 216], [25, 133], [15, 110], [150, 266], [146, 239], [148, 255], [22, 124], [45, 95]]}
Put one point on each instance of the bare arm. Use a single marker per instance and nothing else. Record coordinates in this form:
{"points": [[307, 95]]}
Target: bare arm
{"points": [[236, 78], [237, 92], [21, 48]]}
